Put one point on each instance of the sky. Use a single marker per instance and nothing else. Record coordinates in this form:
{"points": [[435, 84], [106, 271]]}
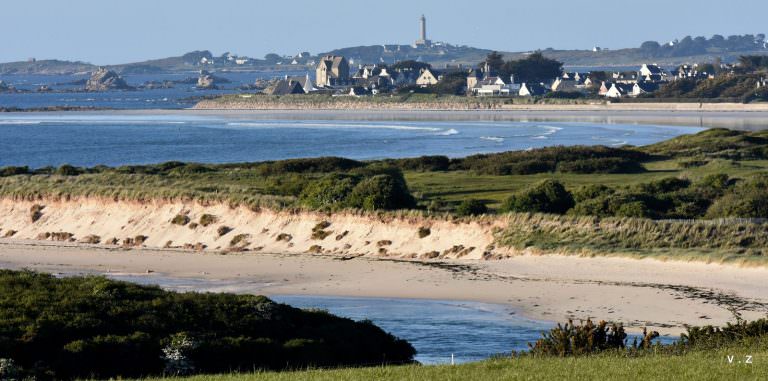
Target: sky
{"points": [[111, 32]]}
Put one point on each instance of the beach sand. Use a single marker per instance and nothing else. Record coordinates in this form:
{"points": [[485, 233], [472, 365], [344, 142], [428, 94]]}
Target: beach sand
{"points": [[663, 296]]}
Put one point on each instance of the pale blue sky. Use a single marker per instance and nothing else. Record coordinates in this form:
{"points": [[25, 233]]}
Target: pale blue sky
{"points": [[109, 32]]}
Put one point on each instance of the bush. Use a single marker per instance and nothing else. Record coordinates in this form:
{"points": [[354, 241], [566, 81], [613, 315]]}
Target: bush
{"points": [[208, 219], [381, 192], [96, 328], [311, 165], [68, 170], [601, 165], [180, 219], [423, 163], [574, 340], [223, 230], [329, 192], [548, 159], [548, 196], [13, 171], [471, 207]]}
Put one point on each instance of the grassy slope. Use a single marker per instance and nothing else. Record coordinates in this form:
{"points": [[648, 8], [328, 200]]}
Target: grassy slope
{"points": [[459, 185], [704, 365], [244, 186]]}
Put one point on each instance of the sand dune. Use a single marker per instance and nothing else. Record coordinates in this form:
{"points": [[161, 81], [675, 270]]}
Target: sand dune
{"points": [[260, 231]]}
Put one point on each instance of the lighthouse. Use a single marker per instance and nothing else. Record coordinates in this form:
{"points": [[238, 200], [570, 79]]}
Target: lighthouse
{"points": [[422, 41]]}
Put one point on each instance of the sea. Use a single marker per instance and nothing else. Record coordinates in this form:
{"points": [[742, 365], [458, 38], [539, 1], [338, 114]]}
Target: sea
{"points": [[119, 138]]}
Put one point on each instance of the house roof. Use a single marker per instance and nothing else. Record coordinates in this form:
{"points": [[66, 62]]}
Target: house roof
{"points": [[285, 87]]}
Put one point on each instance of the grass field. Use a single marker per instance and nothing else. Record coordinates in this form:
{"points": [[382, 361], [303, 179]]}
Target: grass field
{"points": [[455, 186], [699, 365]]}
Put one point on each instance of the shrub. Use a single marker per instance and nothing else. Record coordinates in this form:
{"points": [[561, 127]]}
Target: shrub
{"points": [[180, 219], [601, 165], [423, 163], [319, 232], [586, 338], [96, 328], [239, 239], [189, 169], [424, 231], [208, 219], [13, 171], [284, 237], [223, 230], [329, 192], [548, 196], [68, 170], [471, 207], [35, 212], [381, 192], [311, 165], [547, 159]]}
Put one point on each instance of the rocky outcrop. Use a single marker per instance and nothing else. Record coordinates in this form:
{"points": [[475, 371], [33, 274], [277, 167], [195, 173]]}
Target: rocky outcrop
{"points": [[105, 80], [208, 81], [6, 88]]}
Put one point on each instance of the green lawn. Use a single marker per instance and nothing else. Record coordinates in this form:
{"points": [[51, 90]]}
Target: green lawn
{"points": [[456, 186], [709, 365]]}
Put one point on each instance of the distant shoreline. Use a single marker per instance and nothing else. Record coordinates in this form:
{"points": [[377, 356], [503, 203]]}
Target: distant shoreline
{"points": [[462, 104]]}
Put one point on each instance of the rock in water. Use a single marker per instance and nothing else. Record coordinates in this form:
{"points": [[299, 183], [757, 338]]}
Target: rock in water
{"points": [[206, 80], [103, 80]]}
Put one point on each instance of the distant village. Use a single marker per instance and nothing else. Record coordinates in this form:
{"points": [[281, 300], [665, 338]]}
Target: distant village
{"points": [[335, 75]]}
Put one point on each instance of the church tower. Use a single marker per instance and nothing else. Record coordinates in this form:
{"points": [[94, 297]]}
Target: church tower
{"points": [[422, 41]]}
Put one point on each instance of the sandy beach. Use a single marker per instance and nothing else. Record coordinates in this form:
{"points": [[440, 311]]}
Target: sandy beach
{"points": [[664, 296]]}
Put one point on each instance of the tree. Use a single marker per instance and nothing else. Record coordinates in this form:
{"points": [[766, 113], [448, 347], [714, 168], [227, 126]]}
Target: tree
{"points": [[533, 69], [549, 196], [454, 83], [410, 65], [272, 57], [650, 46], [494, 60]]}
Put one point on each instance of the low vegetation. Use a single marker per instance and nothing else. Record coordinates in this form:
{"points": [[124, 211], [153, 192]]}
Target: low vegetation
{"points": [[92, 327], [584, 351]]}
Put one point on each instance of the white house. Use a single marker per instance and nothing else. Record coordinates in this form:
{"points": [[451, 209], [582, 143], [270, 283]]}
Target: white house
{"points": [[619, 90], [531, 90], [495, 86], [427, 78]]}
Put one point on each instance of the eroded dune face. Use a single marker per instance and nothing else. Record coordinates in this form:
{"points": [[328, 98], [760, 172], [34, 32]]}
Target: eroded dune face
{"points": [[221, 227]]}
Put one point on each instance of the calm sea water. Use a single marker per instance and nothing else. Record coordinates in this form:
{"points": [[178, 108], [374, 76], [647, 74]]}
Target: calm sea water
{"points": [[88, 139]]}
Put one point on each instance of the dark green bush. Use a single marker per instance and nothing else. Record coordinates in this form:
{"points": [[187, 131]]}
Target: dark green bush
{"points": [[381, 192], [601, 165], [311, 165], [95, 328], [329, 192], [547, 160], [423, 163], [471, 207], [13, 171], [548, 196], [68, 170]]}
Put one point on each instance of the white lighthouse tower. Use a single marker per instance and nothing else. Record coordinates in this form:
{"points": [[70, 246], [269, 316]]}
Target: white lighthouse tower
{"points": [[422, 41]]}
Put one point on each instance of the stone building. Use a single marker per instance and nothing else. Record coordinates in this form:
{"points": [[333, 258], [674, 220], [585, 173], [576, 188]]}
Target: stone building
{"points": [[332, 71]]}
